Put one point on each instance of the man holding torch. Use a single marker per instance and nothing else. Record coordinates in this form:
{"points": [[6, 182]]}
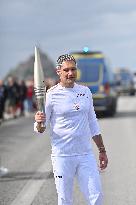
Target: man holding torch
{"points": [[69, 111]]}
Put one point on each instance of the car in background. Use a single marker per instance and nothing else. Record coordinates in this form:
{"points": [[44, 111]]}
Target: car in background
{"points": [[124, 81], [134, 80], [94, 71]]}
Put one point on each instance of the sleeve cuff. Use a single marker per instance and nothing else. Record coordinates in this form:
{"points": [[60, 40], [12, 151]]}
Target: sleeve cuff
{"points": [[95, 129]]}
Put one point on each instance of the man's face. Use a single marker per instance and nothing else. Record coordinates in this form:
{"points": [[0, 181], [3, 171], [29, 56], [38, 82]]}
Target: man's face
{"points": [[67, 73]]}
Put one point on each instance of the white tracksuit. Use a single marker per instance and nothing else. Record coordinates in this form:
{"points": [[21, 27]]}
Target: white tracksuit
{"points": [[73, 122]]}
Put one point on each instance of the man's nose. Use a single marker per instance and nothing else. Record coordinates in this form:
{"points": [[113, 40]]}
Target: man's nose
{"points": [[70, 72]]}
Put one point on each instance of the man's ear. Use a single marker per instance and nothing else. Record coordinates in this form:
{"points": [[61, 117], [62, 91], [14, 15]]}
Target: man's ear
{"points": [[58, 72]]}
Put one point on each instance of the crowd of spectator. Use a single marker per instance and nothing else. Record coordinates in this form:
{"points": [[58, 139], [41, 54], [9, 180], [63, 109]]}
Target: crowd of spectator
{"points": [[17, 97]]}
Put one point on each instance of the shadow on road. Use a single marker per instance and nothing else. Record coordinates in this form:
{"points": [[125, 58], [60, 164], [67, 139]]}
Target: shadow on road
{"points": [[126, 114], [119, 114], [18, 176]]}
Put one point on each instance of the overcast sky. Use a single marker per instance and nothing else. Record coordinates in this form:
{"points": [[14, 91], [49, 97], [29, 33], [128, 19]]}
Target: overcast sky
{"points": [[61, 26]]}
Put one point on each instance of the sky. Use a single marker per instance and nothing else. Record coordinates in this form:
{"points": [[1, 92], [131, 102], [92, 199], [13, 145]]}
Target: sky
{"points": [[61, 26]]}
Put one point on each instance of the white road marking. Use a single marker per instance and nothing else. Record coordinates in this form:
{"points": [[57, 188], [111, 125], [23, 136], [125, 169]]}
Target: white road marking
{"points": [[30, 190]]}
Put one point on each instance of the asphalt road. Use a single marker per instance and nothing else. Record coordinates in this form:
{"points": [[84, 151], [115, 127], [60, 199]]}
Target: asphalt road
{"points": [[27, 157]]}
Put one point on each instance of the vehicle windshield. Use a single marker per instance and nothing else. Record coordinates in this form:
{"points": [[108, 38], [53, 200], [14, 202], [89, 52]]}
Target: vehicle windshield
{"points": [[125, 76], [90, 70]]}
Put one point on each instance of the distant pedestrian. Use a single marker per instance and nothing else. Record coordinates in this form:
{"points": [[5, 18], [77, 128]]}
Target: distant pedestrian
{"points": [[12, 97], [3, 96], [28, 103], [22, 95]]}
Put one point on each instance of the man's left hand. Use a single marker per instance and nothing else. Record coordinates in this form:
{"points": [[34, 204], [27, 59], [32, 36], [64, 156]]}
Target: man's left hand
{"points": [[103, 160]]}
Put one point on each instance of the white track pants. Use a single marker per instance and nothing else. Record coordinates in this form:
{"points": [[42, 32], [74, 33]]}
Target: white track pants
{"points": [[85, 168]]}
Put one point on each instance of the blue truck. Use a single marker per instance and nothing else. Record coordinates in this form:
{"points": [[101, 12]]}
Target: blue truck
{"points": [[94, 71]]}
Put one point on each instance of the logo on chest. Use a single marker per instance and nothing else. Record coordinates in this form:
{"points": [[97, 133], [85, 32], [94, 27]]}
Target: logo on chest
{"points": [[78, 100]]}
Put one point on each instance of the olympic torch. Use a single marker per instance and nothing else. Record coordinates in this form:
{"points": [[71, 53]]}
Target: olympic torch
{"points": [[39, 87]]}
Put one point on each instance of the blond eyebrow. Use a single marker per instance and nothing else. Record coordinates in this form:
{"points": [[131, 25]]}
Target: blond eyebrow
{"points": [[69, 67]]}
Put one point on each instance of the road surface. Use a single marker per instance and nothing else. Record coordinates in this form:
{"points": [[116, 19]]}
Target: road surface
{"points": [[27, 157]]}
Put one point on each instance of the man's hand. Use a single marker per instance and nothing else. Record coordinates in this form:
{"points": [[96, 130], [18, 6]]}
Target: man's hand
{"points": [[40, 117], [103, 160]]}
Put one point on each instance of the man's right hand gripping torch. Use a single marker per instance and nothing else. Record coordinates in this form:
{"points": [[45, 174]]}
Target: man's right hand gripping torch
{"points": [[39, 88]]}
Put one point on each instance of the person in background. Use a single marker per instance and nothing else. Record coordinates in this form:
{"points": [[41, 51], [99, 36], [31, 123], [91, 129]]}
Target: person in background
{"points": [[49, 83], [12, 97], [28, 103], [22, 95], [73, 123], [3, 96]]}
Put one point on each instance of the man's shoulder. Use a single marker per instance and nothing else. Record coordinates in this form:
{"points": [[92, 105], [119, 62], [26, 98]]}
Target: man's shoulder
{"points": [[53, 88], [82, 87]]}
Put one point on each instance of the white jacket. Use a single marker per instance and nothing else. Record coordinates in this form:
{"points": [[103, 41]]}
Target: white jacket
{"points": [[72, 119]]}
